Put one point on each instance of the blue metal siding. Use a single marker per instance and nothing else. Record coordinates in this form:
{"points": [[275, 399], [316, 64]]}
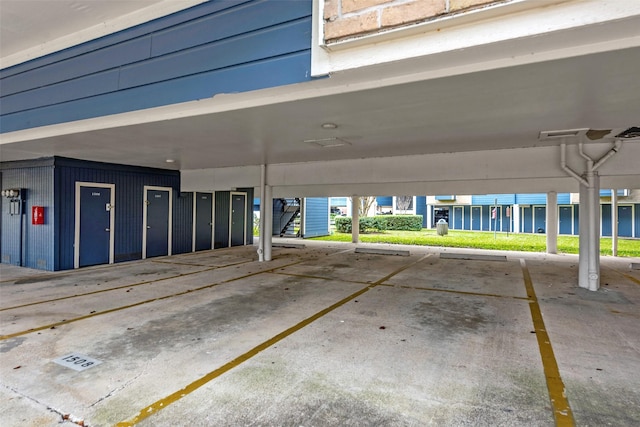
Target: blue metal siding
{"points": [[316, 217], [605, 227], [129, 195], [467, 217], [531, 199], [339, 201], [564, 198], [182, 223], [637, 220], [384, 201], [36, 241], [489, 199], [249, 214], [216, 47], [421, 208], [221, 219]]}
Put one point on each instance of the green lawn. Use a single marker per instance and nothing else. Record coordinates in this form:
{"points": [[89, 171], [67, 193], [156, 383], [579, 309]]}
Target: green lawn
{"points": [[485, 240]]}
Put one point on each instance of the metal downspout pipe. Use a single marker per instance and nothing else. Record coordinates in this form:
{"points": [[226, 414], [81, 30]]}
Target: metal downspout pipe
{"points": [[589, 238]]}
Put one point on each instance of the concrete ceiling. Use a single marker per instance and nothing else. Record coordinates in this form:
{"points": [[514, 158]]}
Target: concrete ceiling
{"points": [[30, 24], [503, 108]]}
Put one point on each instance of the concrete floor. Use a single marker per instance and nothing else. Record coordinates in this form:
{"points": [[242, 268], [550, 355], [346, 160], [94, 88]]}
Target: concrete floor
{"points": [[323, 336]]}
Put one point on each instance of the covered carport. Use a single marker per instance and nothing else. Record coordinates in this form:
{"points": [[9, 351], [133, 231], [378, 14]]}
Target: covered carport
{"points": [[548, 124], [324, 335]]}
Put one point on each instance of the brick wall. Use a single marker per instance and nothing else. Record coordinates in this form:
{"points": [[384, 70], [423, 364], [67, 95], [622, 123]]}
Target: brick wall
{"points": [[352, 18]]}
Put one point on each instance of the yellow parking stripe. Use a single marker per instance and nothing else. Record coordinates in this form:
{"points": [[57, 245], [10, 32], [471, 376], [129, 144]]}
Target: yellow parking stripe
{"points": [[172, 398], [99, 313], [557, 393]]}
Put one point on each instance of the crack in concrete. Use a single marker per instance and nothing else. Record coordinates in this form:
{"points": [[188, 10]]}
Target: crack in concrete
{"points": [[65, 416], [122, 387]]}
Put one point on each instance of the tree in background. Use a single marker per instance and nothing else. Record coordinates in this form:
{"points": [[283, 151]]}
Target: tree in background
{"points": [[366, 202], [403, 203]]}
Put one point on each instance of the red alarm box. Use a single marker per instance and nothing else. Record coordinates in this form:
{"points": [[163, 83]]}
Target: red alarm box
{"points": [[37, 215]]}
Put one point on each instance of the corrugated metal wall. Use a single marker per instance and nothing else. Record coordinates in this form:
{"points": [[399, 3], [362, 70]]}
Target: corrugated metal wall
{"points": [[182, 223], [221, 215], [29, 245], [316, 213], [129, 195], [249, 213], [220, 46]]}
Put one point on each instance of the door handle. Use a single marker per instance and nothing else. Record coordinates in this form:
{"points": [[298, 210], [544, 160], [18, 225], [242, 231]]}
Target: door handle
{"points": [[148, 226], [107, 229]]}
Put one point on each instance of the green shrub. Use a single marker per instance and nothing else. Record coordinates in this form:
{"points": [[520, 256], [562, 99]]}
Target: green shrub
{"points": [[401, 222], [366, 224], [381, 223]]}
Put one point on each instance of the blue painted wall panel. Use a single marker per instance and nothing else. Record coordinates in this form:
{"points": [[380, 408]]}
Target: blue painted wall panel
{"points": [[221, 219], [249, 213], [35, 242], [243, 19], [271, 47], [156, 25], [84, 87], [605, 224], [338, 201], [238, 50], [384, 200], [531, 199], [421, 208], [182, 223], [269, 73], [316, 217], [467, 217], [636, 220], [489, 199], [94, 62]]}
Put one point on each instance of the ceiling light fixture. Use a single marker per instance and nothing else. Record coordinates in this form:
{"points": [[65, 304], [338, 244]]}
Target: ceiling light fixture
{"points": [[328, 142], [170, 161], [329, 126]]}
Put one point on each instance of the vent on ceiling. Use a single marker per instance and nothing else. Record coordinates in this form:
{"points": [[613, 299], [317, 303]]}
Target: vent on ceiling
{"points": [[632, 132], [565, 133]]}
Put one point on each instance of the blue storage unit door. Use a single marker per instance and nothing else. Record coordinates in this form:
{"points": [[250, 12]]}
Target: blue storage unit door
{"points": [[95, 226], [476, 217], [457, 217], [605, 211], [565, 216], [527, 219], [625, 221], [158, 208], [540, 219], [238, 218], [204, 218]]}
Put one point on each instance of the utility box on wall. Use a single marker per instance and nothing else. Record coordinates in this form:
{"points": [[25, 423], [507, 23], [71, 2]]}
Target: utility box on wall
{"points": [[37, 215]]}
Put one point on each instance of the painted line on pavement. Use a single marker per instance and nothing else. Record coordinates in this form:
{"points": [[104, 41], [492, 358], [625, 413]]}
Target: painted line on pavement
{"points": [[633, 279], [146, 282], [99, 313], [478, 294], [557, 393], [174, 397]]}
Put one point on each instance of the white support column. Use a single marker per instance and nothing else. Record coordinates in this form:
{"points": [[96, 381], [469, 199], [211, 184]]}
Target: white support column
{"points": [[268, 221], [614, 222], [261, 225], [589, 240], [355, 219], [429, 216], [552, 222], [303, 216], [515, 212]]}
